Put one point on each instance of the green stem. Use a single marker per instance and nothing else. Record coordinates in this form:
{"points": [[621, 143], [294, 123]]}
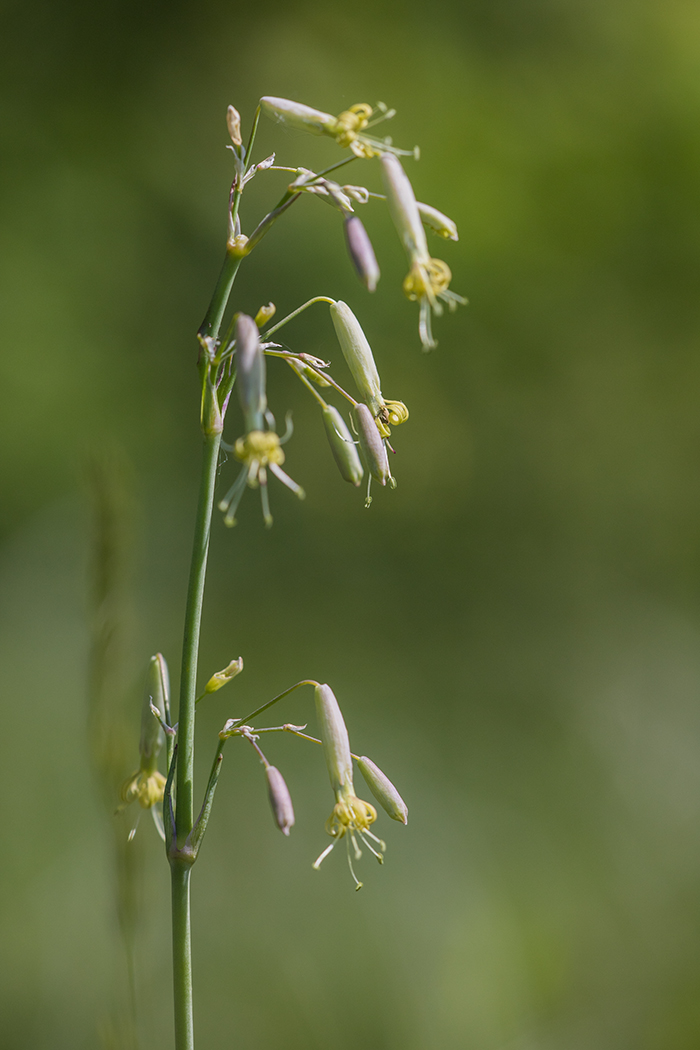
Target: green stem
{"points": [[212, 321], [180, 866], [190, 645], [182, 957]]}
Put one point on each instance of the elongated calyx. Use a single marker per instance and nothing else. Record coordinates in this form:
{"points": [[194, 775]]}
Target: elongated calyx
{"points": [[250, 372], [158, 694], [334, 735], [383, 790], [358, 355], [342, 446], [372, 445]]}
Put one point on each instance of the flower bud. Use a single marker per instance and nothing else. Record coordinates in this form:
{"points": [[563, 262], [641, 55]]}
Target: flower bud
{"points": [[383, 790], [280, 799], [296, 115], [342, 446], [402, 206], [358, 354], [334, 735], [361, 252], [222, 678], [372, 445], [435, 219], [158, 694], [250, 372], [233, 120], [265, 314]]}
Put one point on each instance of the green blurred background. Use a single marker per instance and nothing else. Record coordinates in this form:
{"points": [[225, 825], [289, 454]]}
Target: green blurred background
{"points": [[513, 634]]}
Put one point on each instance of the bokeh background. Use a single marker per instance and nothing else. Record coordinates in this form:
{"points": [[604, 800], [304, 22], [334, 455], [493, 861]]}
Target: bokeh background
{"points": [[514, 634]]}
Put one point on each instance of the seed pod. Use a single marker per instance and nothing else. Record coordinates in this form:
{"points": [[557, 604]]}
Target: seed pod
{"points": [[403, 208], [383, 790], [342, 446], [250, 372], [361, 252], [296, 115], [280, 799], [435, 219], [334, 735], [372, 445], [358, 354], [158, 694]]}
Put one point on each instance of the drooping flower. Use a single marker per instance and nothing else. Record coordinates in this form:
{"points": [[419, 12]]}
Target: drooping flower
{"points": [[428, 279], [348, 128], [351, 817], [259, 450]]}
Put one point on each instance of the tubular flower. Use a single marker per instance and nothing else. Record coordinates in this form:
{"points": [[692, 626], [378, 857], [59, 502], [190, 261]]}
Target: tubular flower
{"points": [[351, 816], [348, 128], [428, 279]]}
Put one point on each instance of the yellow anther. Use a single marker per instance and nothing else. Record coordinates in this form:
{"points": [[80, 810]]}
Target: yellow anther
{"points": [[147, 789], [350, 121], [398, 413], [350, 814], [429, 278], [261, 446]]}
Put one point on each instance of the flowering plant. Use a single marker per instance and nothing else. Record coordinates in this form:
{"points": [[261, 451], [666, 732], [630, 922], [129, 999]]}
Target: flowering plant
{"points": [[236, 357]]}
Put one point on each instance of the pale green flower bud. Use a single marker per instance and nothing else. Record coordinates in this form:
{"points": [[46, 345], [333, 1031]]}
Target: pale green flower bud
{"points": [[222, 678], [250, 373], [403, 207], [383, 790], [372, 445], [342, 446], [358, 354], [435, 219], [280, 799], [361, 252], [265, 314], [334, 735], [296, 115]]}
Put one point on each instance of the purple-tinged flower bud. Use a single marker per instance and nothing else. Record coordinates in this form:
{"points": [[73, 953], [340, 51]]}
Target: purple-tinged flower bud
{"points": [[361, 252], [250, 373], [334, 735], [280, 799], [383, 790], [342, 446], [372, 445]]}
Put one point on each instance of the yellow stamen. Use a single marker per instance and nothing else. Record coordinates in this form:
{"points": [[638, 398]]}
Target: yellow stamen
{"points": [[262, 446]]}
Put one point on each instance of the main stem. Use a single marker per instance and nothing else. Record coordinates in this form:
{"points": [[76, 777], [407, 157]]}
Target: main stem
{"points": [[184, 814], [182, 956]]}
